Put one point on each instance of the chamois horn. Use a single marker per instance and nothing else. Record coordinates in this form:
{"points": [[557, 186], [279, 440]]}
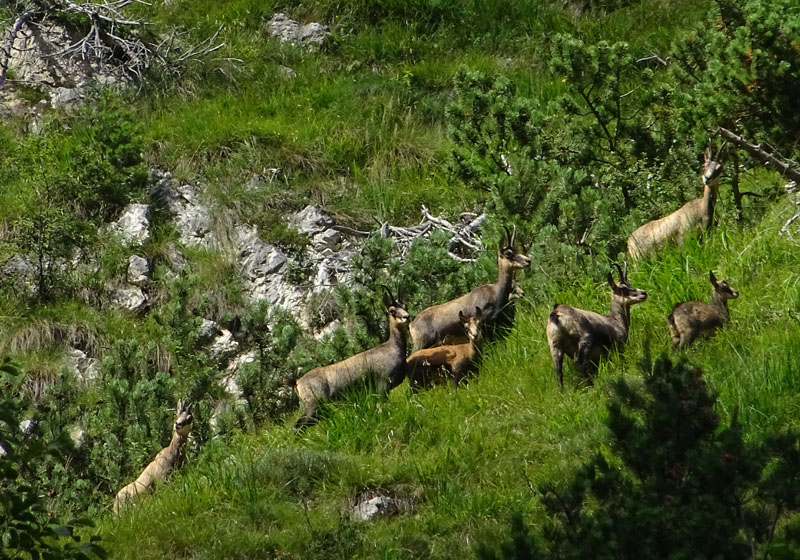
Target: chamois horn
{"points": [[621, 274], [508, 235], [513, 236]]}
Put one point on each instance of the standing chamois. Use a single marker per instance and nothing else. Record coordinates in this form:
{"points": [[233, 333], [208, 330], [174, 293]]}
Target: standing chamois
{"points": [[677, 225], [433, 324], [166, 460], [385, 364], [691, 319], [587, 336], [453, 362]]}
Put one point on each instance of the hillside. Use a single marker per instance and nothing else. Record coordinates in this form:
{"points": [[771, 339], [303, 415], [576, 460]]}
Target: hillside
{"points": [[574, 121]]}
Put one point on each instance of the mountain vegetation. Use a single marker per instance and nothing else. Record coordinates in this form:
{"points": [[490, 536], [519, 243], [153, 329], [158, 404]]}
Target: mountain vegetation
{"points": [[575, 121]]}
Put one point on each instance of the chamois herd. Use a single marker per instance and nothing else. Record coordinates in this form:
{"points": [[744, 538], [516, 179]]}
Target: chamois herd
{"points": [[446, 338]]}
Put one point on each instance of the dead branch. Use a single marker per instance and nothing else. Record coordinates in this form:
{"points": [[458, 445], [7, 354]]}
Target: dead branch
{"points": [[785, 166], [8, 44]]}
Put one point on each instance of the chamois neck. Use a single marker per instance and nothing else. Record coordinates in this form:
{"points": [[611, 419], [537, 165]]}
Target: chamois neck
{"points": [[620, 312], [721, 304], [176, 443], [709, 201], [505, 277], [397, 336]]}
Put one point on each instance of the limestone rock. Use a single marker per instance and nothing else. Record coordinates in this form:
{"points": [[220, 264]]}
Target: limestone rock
{"points": [[133, 226], [84, 367], [224, 346], [310, 220], [208, 331], [311, 35], [138, 270], [369, 507], [191, 218], [129, 297]]}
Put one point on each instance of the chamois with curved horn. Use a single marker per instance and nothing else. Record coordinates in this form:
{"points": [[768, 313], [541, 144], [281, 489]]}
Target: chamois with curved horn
{"points": [[587, 336], [690, 319], [677, 225], [454, 362], [385, 365], [165, 461], [432, 325]]}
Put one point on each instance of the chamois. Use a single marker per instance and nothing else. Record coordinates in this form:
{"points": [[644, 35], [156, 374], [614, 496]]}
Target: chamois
{"points": [[504, 321], [675, 226], [434, 365], [690, 319], [432, 325], [385, 364], [166, 460], [587, 336]]}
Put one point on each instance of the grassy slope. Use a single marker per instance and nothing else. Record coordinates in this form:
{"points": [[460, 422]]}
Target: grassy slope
{"points": [[463, 458]]}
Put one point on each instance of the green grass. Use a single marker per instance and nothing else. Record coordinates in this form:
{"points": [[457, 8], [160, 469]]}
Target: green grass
{"points": [[462, 459]]}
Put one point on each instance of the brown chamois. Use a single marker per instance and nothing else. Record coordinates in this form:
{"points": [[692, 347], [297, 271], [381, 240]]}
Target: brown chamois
{"points": [[385, 365], [504, 321], [677, 225], [167, 459], [691, 319], [587, 336], [432, 325], [454, 362]]}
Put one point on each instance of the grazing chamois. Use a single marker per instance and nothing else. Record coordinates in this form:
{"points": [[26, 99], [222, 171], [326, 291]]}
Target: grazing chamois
{"points": [[385, 365], [677, 225], [454, 362], [432, 325], [690, 319], [587, 336], [166, 460]]}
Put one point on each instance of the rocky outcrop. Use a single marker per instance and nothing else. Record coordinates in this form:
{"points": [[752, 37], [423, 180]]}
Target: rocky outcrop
{"points": [[129, 297], [190, 217], [138, 270], [133, 226], [85, 368], [310, 35]]}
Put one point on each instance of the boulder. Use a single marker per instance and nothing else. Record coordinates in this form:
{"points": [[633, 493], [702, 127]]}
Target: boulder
{"points": [[310, 220], [208, 331], [189, 216], [367, 508], [85, 368], [129, 297], [310, 35], [224, 346], [138, 270], [133, 226]]}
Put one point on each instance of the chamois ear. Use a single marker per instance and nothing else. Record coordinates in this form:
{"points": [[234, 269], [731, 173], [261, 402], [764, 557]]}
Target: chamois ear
{"points": [[478, 312], [712, 277], [707, 153], [461, 316], [180, 408]]}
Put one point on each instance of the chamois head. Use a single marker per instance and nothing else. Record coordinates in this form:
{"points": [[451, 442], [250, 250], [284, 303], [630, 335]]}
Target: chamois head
{"points": [[396, 309], [184, 418], [472, 323], [722, 288], [508, 253], [712, 167], [623, 290]]}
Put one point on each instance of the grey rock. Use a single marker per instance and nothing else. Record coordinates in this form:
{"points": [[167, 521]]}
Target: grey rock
{"points": [[191, 218], [367, 508], [311, 35], [138, 270], [310, 220], [85, 368], [28, 426], [330, 240], [258, 259], [63, 97], [224, 346], [129, 297], [133, 226], [208, 331], [175, 258], [20, 270]]}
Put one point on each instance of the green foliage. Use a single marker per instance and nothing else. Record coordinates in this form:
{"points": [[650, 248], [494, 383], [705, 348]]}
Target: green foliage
{"points": [[26, 528], [676, 485]]}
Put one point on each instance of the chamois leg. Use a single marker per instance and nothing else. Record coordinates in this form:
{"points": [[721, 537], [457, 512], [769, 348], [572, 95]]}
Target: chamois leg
{"points": [[583, 360], [309, 418], [558, 362]]}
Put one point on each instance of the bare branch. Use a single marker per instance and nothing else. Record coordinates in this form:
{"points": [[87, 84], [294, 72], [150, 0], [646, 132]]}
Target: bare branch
{"points": [[787, 168]]}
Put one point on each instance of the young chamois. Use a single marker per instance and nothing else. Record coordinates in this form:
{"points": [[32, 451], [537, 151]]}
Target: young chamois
{"points": [[587, 336], [432, 325], [454, 362], [677, 225], [166, 460], [691, 319], [385, 365], [504, 321]]}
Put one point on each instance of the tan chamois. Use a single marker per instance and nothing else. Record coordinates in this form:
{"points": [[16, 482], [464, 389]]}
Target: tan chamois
{"points": [[587, 336], [385, 365], [432, 325], [166, 460], [691, 319], [504, 321], [454, 362], [677, 225]]}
